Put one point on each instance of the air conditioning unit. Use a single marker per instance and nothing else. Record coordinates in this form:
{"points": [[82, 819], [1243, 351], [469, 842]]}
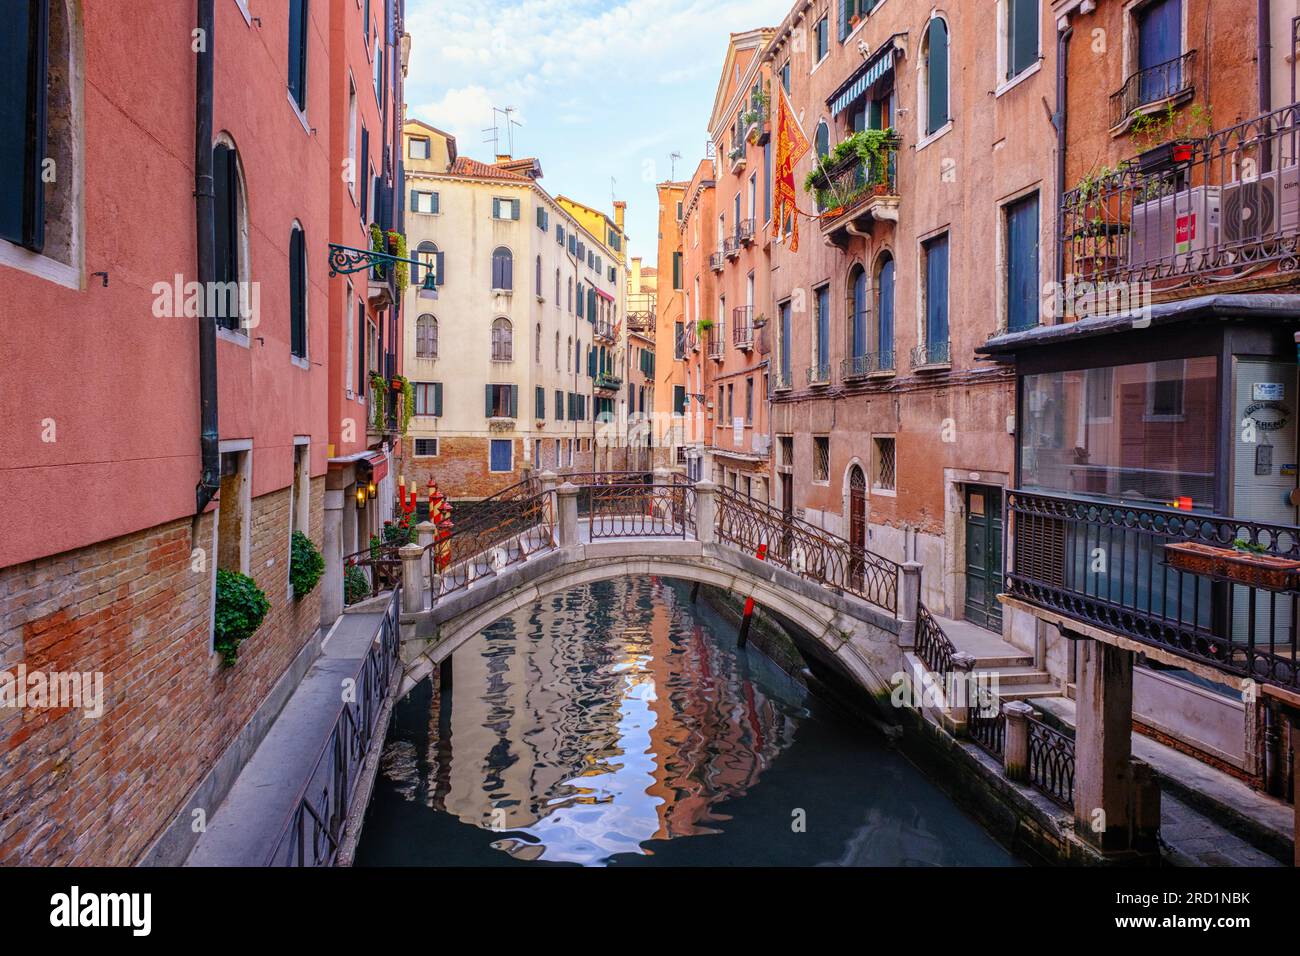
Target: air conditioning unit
{"points": [[1176, 227], [1262, 208]]}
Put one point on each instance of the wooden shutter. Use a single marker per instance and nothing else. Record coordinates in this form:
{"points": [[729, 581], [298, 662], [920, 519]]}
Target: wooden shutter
{"points": [[297, 294], [437, 399], [24, 52], [415, 204], [514, 401], [363, 160], [438, 268], [298, 52], [514, 209], [433, 206], [487, 401], [937, 76]]}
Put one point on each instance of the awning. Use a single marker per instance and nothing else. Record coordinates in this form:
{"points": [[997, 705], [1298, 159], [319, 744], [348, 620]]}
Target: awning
{"points": [[604, 295], [378, 462], [871, 71]]}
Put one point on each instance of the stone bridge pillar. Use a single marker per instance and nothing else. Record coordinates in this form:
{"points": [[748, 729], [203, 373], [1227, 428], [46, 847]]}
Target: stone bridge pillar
{"points": [[567, 494], [549, 480], [424, 533], [706, 512], [1015, 746], [331, 595], [909, 598], [412, 578]]}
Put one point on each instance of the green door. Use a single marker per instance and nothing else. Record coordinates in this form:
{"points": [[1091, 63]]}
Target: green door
{"points": [[984, 556]]}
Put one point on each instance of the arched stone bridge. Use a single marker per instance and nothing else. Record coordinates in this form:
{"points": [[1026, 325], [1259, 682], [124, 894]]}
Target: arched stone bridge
{"points": [[542, 537]]}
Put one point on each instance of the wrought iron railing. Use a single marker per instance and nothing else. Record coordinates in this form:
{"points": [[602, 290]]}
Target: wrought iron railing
{"points": [[731, 246], [506, 529], [859, 366], [745, 231], [371, 572], [1188, 212], [1104, 563], [742, 327], [806, 550], [603, 330], [1163, 81], [635, 508], [985, 723], [715, 261], [313, 834], [714, 345], [930, 354], [1051, 762], [933, 647], [819, 374], [608, 381], [782, 380], [850, 185]]}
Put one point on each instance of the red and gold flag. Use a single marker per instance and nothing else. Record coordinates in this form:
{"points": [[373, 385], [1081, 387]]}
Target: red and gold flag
{"points": [[791, 146]]}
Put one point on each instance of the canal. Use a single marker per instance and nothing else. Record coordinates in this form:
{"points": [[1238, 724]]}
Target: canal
{"points": [[617, 724]]}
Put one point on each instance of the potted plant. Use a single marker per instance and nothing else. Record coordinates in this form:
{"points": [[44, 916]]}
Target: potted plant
{"points": [[240, 610], [1169, 137], [760, 320], [1244, 563], [704, 325], [306, 565]]}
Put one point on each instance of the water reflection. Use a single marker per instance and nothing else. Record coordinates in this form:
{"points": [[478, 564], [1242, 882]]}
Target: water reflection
{"points": [[608, 723]]}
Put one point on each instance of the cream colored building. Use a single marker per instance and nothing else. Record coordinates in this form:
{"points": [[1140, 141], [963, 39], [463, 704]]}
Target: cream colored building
{"points": [[519, 354]]}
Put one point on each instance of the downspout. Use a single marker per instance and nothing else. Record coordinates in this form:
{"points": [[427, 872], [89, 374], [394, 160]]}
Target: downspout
{"points": [[1265, 56], [205, 216], [1059, 121]]}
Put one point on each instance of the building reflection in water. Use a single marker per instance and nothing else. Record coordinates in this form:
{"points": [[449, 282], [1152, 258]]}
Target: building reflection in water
{"points": [[598, 720]]}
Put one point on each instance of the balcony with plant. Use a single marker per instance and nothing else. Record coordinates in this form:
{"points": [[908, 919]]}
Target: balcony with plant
{"points": [[856, 183]]}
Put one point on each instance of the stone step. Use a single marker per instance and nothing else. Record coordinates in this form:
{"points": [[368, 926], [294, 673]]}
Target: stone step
{"points": [[1028, 691], [1020, 675], [998, 662]]}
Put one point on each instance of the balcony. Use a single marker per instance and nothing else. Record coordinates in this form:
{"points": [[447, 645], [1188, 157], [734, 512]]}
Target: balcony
{"points": [[931, 356], [781, 381], [603, 330], [641, 311], [745, 232], [1189, 212], [854, 193], [866, 365], [714, 344], [742, 327], [1165, 583], [1152, 89], [715, 261], [607, 382], [819, 375]]}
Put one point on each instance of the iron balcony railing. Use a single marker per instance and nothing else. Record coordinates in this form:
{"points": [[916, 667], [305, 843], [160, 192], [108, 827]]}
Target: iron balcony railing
{"points": [[846, 189], [742, 327], [1158, 83], [714, 348], [931, 353], [1213, 597], [745, 231], [819, 374], [715, 261], [1187, 213], [1051, 763], [860, 366], [782, 380], [731, 246], [607, 381], [603, 329]]}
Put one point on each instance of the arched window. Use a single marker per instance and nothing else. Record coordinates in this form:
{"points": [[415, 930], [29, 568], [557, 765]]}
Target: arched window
{"points": [[537, 344], [297, 292], [539, 277], [858, 318], [502, 269], [934, 75], [822, 139], [557, 288], [885, 312], [570, 293], [503, 341], [428, 254], [426, 337], [230, 235], [557, 351], [569, 351]]}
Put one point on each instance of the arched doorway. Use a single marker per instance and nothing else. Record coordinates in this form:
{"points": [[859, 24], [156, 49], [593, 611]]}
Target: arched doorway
{"points": [[857, 520]]}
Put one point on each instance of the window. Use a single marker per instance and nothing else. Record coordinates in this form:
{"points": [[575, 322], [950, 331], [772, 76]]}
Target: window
{"points": [[298, 53], [364, 162], [427, 253], [858, 316], [537, 280], [543, 219], [229, 233], [426, 448], [679, 399], [25, 50], [428, 399], [570, 353], [300, 490], [418, 147], [425, 202], [234, 509], [352, 137], [822, 39], [821, 458], [934, 74], [1159, 37], [882, 464], [537, 344], [785, 446], [557, 351], [505, 208], [1165, 390], [539, 402], [297, 293], [785, 76], [936, 298], [786, 342], [677, 270], [885, 313], [1021, 31], [502, 453], [379, 69], [559, 405], [503, 341], [1021, 225], [822, 139], [822, 356], [426, 337], [852, 11], [502, 401], [503, 279], [749, 401]]}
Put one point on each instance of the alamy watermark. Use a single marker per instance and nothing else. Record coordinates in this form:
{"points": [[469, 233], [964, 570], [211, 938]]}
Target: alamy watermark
{"points": [[53, 690]]}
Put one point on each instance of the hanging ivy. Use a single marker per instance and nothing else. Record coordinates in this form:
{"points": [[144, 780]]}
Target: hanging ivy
{"points": [[402, 272], [378, 400], [872, 148]]}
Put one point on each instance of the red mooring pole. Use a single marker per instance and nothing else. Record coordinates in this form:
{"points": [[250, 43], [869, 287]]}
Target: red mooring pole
{"points": [[749, 605]]}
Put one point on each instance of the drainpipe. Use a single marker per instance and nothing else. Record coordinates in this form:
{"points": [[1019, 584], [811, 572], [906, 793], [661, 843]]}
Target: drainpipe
{"points": [[205, 217], [1058, 120], [1265, 56]]}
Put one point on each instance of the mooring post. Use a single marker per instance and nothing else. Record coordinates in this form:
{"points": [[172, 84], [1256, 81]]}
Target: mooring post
{"points": [[743, 638], [959, 693], [1015, 743]]}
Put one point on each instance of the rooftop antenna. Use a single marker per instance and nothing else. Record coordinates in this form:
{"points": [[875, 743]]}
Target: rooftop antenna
{"points": [[493, 132], [672, 159], [613, 196]]}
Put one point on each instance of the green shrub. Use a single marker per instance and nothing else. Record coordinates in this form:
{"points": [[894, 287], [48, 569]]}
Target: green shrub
{"points": [[306, 565], [241, 607], [356, 587]]}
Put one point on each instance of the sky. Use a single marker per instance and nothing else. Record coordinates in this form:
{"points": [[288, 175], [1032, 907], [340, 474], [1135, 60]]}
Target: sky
{"points": [[602, 89]]}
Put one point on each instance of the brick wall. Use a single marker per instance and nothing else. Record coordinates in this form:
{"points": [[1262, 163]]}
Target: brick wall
{"points": [[98, 791]]}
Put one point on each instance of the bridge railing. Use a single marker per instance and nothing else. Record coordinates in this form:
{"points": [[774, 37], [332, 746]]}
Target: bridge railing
{"points": [[807, 550], [506, 529], [663, 508]]}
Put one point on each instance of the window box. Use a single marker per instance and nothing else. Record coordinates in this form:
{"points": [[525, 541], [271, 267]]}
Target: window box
{"points": [[1238, 565]]}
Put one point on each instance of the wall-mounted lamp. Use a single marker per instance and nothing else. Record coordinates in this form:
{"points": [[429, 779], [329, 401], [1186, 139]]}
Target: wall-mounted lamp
{"points": [[429, 288], [371, 489], [361, 496]]}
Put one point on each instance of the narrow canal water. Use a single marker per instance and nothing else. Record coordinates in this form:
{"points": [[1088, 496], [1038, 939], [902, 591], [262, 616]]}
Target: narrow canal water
{"points": [[617, 724]]}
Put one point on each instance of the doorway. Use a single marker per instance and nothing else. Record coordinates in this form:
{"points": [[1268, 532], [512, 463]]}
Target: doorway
{"points": [[857, 523], [984, 556]]}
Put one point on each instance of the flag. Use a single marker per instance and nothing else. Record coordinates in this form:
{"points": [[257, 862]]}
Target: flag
{"points": [[791, 146]]}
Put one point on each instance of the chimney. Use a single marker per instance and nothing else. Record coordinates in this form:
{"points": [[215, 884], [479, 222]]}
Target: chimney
{"points": [[503, 158], [620, 207]]}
